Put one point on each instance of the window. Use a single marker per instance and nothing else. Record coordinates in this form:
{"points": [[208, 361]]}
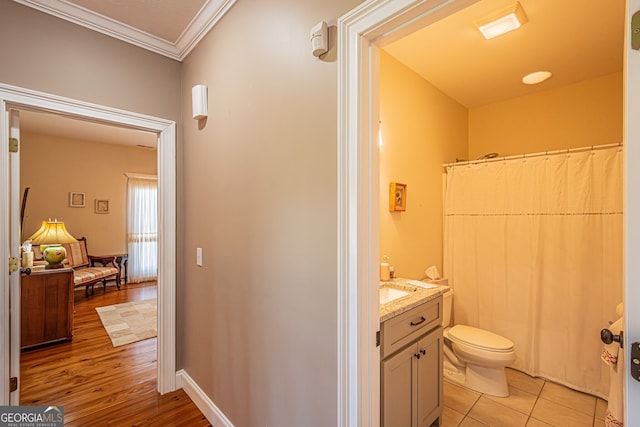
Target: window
{"points": [[142, 227]]}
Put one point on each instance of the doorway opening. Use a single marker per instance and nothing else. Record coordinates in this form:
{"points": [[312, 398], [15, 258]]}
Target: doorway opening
{"points": [[14, 99], [92, 159], [364, 31]]}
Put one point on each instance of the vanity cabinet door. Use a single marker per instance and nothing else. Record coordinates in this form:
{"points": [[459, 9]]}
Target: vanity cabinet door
{"points": [[429, 378], [399, 388]]}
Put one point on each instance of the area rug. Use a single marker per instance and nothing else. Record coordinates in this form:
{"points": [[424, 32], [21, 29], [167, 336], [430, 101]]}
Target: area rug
{"points": [[131, 321]]}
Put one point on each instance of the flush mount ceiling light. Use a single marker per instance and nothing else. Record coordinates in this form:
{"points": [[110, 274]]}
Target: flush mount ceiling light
{"points": [[502, 21], [536, 77]]}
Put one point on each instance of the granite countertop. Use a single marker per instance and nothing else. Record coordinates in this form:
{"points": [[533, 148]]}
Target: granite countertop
{"points": [[419, 293]]}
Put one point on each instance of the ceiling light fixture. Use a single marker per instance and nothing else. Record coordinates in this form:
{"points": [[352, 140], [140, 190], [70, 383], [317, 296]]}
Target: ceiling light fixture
{"points": [[536, 77], [502, 21]]}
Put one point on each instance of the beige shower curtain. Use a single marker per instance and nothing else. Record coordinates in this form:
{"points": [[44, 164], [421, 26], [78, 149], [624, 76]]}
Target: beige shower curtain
{"points": [[533, 250]]}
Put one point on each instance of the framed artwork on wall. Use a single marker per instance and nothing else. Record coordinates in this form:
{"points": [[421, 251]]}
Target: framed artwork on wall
{"points": [[397, 197], [76, 200], [102, 206]]}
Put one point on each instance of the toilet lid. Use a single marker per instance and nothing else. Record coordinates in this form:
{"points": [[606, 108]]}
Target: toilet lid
{"points": [[479, 338]]}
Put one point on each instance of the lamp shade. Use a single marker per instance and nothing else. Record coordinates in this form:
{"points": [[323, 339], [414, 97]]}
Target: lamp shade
{"points": [[51, 232], [50, 236]]}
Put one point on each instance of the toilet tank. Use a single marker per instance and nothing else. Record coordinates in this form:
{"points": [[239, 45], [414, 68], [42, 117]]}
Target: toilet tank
{"points": [[447, 302]]}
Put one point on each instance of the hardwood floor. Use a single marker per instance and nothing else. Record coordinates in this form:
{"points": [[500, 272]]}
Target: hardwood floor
{"points": [[100, 385]]}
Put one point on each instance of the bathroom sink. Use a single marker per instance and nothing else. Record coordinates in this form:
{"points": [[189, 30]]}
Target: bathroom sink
{"points": [[388, 294]]}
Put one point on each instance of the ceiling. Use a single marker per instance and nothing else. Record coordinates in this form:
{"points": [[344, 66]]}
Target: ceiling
{"points": [[65, 127], [574, 39]]}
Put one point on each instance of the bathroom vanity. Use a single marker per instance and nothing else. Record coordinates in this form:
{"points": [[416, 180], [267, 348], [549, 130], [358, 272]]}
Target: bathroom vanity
{"points": [[411, 354]]}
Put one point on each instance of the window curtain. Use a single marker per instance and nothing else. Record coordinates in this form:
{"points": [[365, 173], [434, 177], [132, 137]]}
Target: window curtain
{"points": [[142, 228], [533, 251]]}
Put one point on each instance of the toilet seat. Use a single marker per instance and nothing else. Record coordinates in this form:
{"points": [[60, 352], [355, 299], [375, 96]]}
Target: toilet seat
{"points": [[479, 339]]}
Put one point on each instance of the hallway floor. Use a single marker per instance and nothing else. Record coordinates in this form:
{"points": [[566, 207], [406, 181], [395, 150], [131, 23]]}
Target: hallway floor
{"points": [[100, 385], [533, 402]]}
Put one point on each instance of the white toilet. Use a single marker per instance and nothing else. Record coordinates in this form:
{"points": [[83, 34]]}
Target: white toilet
{"points": [[474, 357]]}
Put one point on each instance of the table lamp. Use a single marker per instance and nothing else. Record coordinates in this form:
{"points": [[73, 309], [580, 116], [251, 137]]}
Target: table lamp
{"points": [[50, 236]]}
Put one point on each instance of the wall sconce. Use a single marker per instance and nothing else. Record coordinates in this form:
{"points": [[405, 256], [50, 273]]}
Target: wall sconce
{"points": [[199, 101]]}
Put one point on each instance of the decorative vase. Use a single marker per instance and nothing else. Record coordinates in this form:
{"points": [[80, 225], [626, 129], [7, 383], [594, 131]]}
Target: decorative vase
{"points": [[54, 255]]}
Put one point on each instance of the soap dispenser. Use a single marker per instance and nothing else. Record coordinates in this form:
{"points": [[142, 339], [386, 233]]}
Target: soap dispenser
{"points": [[384, 269]]}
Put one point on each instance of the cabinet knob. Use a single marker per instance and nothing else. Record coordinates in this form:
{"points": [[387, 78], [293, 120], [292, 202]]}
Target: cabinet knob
{"points": [[424, 352], [417, 355]]}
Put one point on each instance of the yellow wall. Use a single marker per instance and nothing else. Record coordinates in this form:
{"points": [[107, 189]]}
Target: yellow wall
{"points": [[578, 115], [422, 128], [92, 168]]}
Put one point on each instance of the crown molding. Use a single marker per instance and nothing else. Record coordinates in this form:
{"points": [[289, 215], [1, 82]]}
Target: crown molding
{"points": [[205, 19]]}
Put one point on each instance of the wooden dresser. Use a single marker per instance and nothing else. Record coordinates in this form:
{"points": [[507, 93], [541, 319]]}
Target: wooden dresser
{"points": [[46, 307]]}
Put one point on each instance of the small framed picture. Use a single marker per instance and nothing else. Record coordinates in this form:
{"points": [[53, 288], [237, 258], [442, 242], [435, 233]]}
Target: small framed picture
{"points": [[102, 206], [397, 197], [76, 200]]}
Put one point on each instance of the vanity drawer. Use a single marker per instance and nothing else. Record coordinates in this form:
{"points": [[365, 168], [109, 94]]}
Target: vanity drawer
{"points": [[408, 326]]}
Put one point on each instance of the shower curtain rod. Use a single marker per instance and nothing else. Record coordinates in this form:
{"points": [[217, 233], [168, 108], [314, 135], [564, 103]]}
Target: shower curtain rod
{"points": [[542, 153]]}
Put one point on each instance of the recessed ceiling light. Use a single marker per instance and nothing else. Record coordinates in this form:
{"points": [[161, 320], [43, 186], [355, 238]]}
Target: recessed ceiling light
{"points": [[536, 77], [502, 21]]}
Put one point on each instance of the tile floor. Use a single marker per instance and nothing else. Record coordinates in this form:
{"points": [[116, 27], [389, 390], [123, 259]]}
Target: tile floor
{"points": [[532, 402]]}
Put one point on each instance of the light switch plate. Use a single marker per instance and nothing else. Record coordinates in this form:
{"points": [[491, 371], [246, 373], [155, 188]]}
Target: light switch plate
{"points": [[199, 257]]}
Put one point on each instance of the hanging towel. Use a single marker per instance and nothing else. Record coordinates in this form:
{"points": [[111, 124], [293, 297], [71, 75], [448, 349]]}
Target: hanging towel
{"points": [[614, 357]]}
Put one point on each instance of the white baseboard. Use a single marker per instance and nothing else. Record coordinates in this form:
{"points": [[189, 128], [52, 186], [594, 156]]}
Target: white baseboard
{"points": [[202, 401]]}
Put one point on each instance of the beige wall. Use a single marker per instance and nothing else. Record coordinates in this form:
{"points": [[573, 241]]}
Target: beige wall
{"points": [[92, 168], [260, 331], [48, 54], [578, 115], [422, 128]]}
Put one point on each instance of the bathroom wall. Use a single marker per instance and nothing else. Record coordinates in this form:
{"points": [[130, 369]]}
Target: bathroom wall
{"points": [[583, 114], [422, 128], [76, 161]]}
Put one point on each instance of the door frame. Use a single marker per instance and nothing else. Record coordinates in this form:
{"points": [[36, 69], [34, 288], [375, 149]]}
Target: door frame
{"points": [[17, 98], [632, 208], [361, 33]]}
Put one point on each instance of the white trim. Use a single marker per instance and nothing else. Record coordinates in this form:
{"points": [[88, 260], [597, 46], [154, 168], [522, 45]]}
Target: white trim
{"points": [[14, 247], [631, 221], [204, 21], [141, 176], [368, 26], [20, 98], [210, 13], [215, 416], [5, 369], [167, 259]]}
